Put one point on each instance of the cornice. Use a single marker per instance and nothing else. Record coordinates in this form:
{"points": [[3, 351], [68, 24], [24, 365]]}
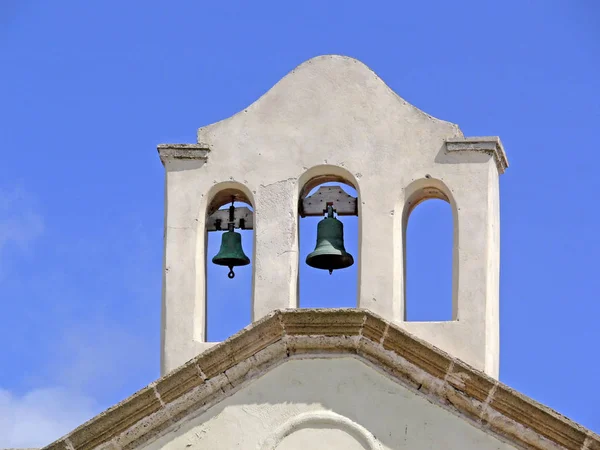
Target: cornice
{"points": [[483, 144], [320, 333], [169, 152]]}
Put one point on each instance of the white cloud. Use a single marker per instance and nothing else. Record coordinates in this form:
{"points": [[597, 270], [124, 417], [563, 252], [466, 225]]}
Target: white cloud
{"points": [[41, 416], [20, 224], [98, 357], [94, 357], [90, 370], [86, 373]]}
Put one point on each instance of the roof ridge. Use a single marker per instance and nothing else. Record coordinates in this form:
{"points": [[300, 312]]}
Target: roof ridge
{"points": [[284, 334]]}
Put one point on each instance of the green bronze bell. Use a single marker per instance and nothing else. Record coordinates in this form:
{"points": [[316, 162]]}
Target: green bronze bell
{"points": [[330, 254], [231, 253]]}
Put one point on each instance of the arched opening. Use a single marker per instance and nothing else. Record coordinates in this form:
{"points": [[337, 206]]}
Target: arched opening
{"points": [[429, 257], [228, 300], [317, 287]]}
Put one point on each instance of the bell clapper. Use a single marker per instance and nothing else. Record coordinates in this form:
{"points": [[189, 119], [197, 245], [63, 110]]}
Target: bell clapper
{"points": [[231, 227], [232, 212], [330, 211]]}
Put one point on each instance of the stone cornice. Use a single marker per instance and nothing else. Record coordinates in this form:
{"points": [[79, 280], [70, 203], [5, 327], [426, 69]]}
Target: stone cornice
{"points": [[319, 333], [182, 151], [485, 144]]}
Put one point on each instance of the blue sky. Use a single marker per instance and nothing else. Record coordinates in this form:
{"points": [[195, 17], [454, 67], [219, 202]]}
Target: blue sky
{"points": [[88, 89]]}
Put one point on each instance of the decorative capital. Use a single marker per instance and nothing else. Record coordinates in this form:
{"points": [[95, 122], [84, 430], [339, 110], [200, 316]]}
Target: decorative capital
{"points": [[485, 144], [169, 152]]}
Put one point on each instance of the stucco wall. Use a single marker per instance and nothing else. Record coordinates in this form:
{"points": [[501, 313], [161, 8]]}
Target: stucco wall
{"points": [[325, 404], [333, 116]]}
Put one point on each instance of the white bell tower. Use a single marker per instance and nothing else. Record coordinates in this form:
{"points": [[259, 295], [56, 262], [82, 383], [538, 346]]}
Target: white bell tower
{"points": [[332, 119]]}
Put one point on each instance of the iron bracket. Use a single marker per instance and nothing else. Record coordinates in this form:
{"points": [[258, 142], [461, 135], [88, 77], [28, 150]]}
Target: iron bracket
{"points": [[316, 204], [243, 219]]}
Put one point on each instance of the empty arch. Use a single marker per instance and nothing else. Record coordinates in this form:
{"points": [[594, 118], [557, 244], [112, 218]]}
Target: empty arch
{"points": [[430, 252]]}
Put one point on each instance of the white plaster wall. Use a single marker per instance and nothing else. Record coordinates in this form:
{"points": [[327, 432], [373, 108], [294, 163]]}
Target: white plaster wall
{"points": [[339, 403], [333, 116]]}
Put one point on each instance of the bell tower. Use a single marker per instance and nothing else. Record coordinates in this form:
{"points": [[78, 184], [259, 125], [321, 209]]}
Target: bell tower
{"points": [[331, 119]]}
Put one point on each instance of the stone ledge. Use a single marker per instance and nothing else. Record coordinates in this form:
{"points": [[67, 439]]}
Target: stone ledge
{"points": [[169, 152], [484, 144], [306, 333]]}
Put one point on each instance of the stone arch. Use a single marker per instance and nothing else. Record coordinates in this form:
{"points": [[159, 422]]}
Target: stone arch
{"points": [[218, 195], [416, 193], [327, 419], [316, 176], [324, 173]]}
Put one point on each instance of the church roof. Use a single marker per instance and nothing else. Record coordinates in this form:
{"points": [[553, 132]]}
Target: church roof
{"points": [[299, 333]]}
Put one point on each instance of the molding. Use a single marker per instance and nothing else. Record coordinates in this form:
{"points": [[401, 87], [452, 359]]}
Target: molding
{"points": [[327, 418], [484, 144], [320, 333], [169, 152]]}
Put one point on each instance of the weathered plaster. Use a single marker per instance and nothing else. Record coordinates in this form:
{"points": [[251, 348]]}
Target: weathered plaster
{"points": [[326, 403], [333, 118], [207, 380], [323, 429]]}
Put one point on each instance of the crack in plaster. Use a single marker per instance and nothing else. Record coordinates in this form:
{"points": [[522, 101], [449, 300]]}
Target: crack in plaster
{"points": [[449, 372], [287, 180], [385, 333], [488, 400], [160, 400], [202, 375]]}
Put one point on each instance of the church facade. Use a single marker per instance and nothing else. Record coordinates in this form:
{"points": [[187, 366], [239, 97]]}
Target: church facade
{"points": [[354, 378]]}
